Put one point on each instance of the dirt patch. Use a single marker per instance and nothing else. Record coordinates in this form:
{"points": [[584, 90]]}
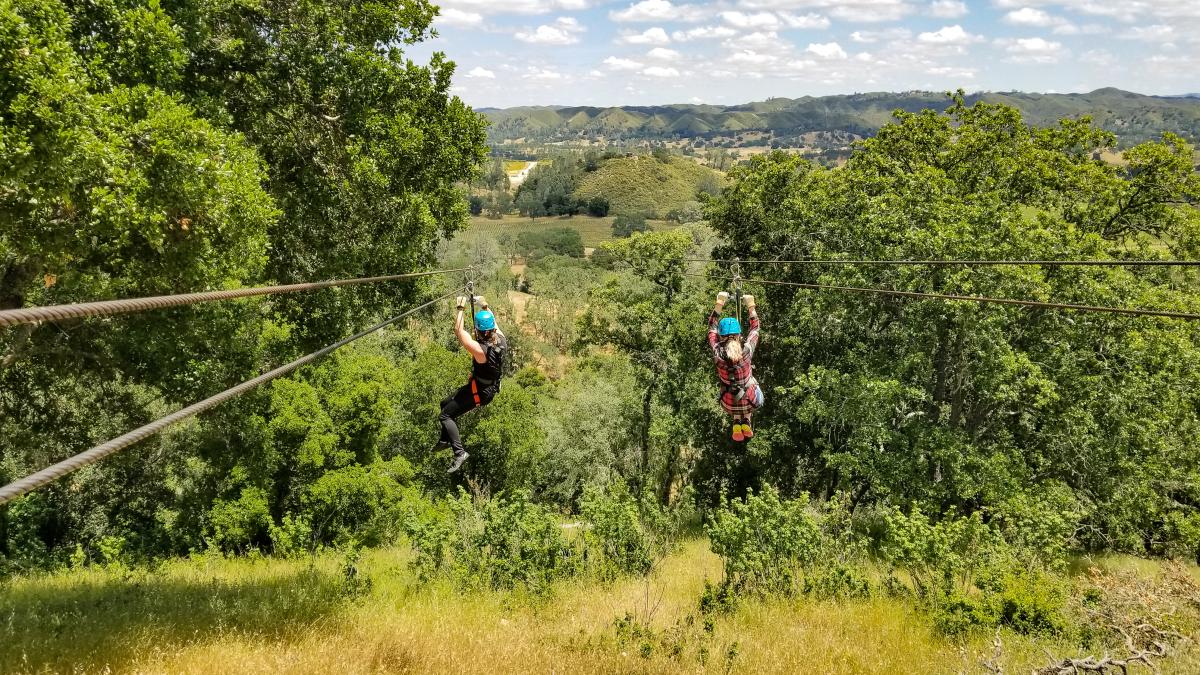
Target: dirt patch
{"points": [[520, 303]]}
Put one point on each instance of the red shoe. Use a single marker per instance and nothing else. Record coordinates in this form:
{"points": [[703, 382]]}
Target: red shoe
{"points": [[737, 433], [747, 431]]}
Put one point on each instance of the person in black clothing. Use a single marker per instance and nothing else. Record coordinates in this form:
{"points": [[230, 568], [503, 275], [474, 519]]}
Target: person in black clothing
{"points": [[487, 361]]}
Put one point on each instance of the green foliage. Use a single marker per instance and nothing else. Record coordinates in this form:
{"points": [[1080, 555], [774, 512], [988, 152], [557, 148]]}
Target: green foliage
{"points": [[597, 207], [499, 542], [618, 540], [644, 184], [765, 541], [549, 188], [136, 166], [242, 523], [292, 537], [556, 241], [833, 119], [1062, 427], [626, 224], [363, 504]]}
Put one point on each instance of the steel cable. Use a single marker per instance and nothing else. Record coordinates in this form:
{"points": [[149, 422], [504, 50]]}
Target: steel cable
{"points": [[967, 298], [16, 317], [32, 482]]}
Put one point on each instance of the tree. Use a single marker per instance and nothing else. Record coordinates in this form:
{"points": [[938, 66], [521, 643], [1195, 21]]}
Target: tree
{"points": [[963, 405], [161, 148], [642, 314], [626, 224], [498, 204], [597, 207], [497, 177], [475, 205]]}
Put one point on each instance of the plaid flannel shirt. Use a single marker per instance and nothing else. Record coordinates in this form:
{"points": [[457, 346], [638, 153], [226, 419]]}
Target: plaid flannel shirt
{"points": [[735, 375]]}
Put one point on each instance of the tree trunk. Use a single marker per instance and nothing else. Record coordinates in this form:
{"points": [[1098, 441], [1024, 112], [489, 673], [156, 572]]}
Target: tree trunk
{"points": [[647, 414], [13, 284], [4, 530]]}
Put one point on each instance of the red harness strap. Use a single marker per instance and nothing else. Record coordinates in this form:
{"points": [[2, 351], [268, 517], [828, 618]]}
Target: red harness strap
{"points": [[475, 391]]}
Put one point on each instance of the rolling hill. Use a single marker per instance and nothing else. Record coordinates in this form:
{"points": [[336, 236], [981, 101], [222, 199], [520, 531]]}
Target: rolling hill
{"points": [[1133, 117], [644, 184]]}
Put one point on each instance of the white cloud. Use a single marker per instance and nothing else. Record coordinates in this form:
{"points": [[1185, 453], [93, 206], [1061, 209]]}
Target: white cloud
{"points": [[564, 31], [752, 58], [650, 36], [871, 37], [481, 72], [759, 41], [947, 9], [1155, 33], [459, 18], [846, 10], [664, 54], [618, 63], [659, 10], [952, 72], [829, 50], [809, 21], [535, 73], [948, 35], [703, 33], [1028, 16], [1099, 58], [748, 21], [1032, 50], [1128, 10], [489, 7], [660, 71]]}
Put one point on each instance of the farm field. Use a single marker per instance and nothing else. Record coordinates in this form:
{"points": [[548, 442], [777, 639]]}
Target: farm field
{"points": [[594, 231]]}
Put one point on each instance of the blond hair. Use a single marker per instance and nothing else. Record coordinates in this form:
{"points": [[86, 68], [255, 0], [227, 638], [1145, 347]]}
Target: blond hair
{"points": [[733, 350]]}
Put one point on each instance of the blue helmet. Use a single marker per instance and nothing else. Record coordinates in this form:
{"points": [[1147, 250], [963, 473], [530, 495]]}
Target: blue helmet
{"points": [[485, 320], [729, 326]]}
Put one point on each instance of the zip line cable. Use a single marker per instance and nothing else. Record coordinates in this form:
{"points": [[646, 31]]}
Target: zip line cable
{"points": [[16, 317], [967, 298], [1046, 263], [50, 474]]}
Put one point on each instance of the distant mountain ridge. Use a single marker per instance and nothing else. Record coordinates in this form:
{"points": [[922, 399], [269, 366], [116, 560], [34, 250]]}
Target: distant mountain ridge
{"points": [[1133, 117]]}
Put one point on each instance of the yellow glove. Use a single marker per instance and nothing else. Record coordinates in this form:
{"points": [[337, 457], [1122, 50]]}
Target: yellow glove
{"points": [[749, 301], [722, 298], [462, 302], [481, 302]]}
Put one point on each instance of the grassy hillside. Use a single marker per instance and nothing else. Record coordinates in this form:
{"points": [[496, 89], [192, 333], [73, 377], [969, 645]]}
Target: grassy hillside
{"points": [[248, 615], [644, 184], [1133, 117]]}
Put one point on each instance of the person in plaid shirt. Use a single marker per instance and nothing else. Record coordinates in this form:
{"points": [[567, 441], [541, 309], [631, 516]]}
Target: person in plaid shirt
{"points": [[740, 393]]}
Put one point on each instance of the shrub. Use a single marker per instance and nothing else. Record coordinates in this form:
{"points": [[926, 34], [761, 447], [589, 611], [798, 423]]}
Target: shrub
{"points": [[499, 542], [625, 537], [627, 223], [764, 540], [475, 204], [358, 503], [936, 555], [292, 537], [597, 206], [1041, 522], [237, 525]]}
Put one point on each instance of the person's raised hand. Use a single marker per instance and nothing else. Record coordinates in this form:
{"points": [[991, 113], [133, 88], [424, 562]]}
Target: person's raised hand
{"points": [[462, 302], [722, 298], [749, 300]]}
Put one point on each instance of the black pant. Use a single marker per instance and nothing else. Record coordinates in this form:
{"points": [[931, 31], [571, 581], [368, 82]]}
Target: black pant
{"points": [[454, 406]]}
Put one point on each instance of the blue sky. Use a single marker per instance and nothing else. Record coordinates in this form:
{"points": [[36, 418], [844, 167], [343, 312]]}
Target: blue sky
{"points": [[593, 52]]}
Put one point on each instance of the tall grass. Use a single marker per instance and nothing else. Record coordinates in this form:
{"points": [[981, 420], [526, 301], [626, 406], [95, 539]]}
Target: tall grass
{"points": [[209, 615]]}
